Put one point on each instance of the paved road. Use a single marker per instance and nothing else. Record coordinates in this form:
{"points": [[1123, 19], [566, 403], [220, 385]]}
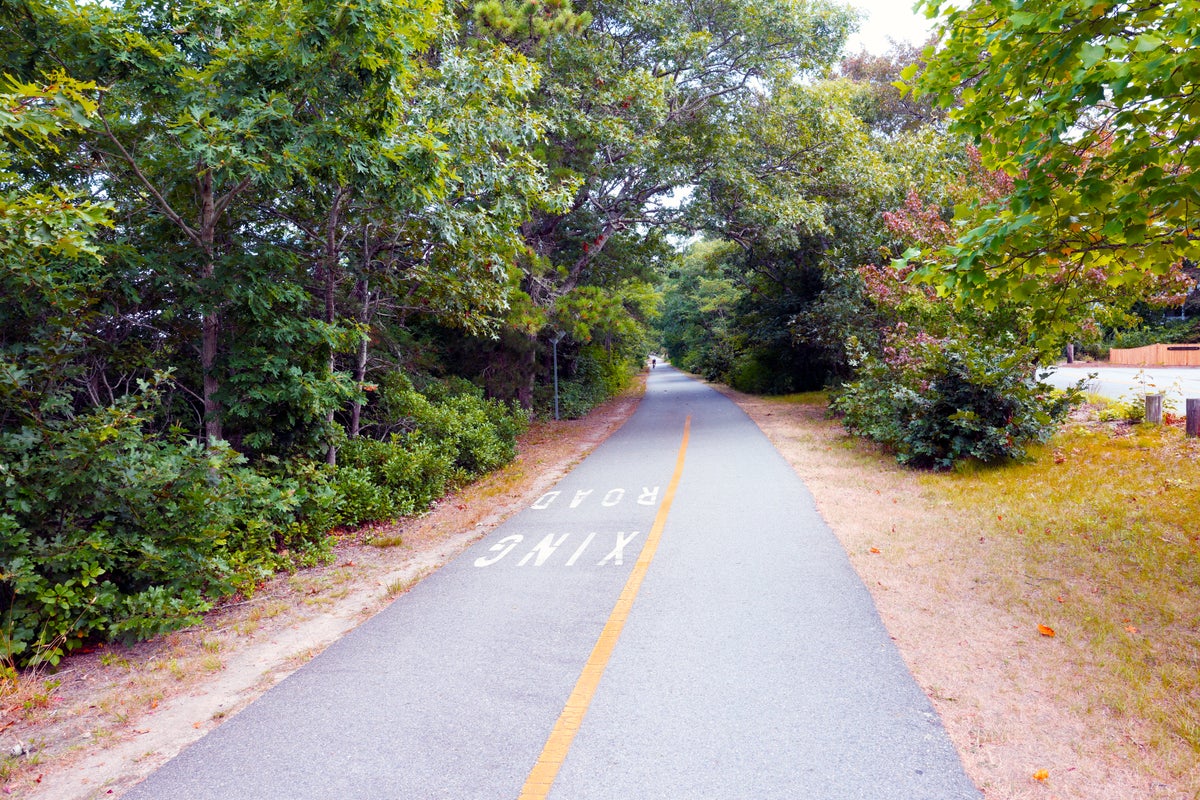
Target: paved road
{"points": [[1129, 383], [752, 663]]}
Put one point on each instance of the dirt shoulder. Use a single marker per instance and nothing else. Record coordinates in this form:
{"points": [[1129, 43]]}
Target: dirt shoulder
{"points": [[1016, 704], [106, 719]]}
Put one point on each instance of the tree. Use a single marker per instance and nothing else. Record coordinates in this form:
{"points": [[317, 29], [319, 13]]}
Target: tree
{"points": [[1091, 107], [47, 256], [178, 125], [884, 106], [640, 105], [362, 153], [799, 193]]}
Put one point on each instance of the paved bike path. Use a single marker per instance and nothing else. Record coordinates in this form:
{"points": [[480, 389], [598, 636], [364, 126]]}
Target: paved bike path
{"points": [[752, 664]]}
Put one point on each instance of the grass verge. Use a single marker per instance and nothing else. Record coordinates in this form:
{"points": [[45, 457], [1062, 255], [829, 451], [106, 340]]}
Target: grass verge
{"points": [[1104, 529]]}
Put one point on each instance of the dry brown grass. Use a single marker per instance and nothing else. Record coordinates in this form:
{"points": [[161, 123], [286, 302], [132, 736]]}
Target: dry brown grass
{"points": [[1095, 539]]}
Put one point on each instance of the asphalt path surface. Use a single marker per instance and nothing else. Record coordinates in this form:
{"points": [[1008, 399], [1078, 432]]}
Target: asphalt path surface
{"points": [[751, 664]]}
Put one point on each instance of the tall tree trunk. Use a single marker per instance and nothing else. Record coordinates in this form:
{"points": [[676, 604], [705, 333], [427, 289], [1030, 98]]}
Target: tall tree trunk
{"points": [[211, 207], [360, 362], [332, 256], [210, 320], [210, 337]]}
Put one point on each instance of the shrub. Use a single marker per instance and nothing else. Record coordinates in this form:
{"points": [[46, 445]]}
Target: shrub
{"points": [[750, 374], [110, 532], [935, 402], [598, 375], [385, 480], [431, 439], [1164, 332]]}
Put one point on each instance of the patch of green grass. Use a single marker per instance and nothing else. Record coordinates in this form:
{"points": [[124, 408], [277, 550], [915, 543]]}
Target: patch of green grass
{"points": [[1099, 537], [402, 585], [110, 659], [805, 398], [399, 587], [39, 697]]}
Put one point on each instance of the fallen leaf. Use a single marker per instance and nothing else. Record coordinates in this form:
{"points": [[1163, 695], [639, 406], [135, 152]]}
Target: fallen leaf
{"points": [[1041, 775], [1132, 629], [874, 550], [1060, 599], [1046, 630]]}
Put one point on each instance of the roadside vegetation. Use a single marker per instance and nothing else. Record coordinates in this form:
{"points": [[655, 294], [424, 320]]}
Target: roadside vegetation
{"points": [[109, 713], [1025, 182]]}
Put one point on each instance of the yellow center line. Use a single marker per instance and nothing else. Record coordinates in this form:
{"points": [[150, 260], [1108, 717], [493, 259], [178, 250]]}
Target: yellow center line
{"points": [[541, 777]]}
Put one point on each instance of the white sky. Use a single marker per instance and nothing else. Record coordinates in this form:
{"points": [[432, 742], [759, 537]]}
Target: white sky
{"points": [[888, 18]]}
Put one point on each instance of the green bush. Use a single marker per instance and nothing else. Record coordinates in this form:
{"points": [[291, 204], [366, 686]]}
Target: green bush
{"points": [[750, 374], [384, 480], [936, 402], [598, 376], [1164, 332], [478, 435], [109, 532], [421, 443]]}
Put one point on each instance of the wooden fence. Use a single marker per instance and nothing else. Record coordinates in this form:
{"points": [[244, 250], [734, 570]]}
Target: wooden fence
{"points": [[1157, 355]]}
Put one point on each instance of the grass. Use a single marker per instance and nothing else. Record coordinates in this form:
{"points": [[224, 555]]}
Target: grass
{"points": [[1100, 541], [402, 585], [111, 659], [805, 399]]}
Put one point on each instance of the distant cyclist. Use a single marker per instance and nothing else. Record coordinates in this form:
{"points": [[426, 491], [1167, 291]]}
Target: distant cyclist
{"points": [[653, 363]]}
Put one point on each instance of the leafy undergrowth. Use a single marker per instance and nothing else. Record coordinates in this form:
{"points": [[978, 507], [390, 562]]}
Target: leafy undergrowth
{"points": [[1102, 530]]}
